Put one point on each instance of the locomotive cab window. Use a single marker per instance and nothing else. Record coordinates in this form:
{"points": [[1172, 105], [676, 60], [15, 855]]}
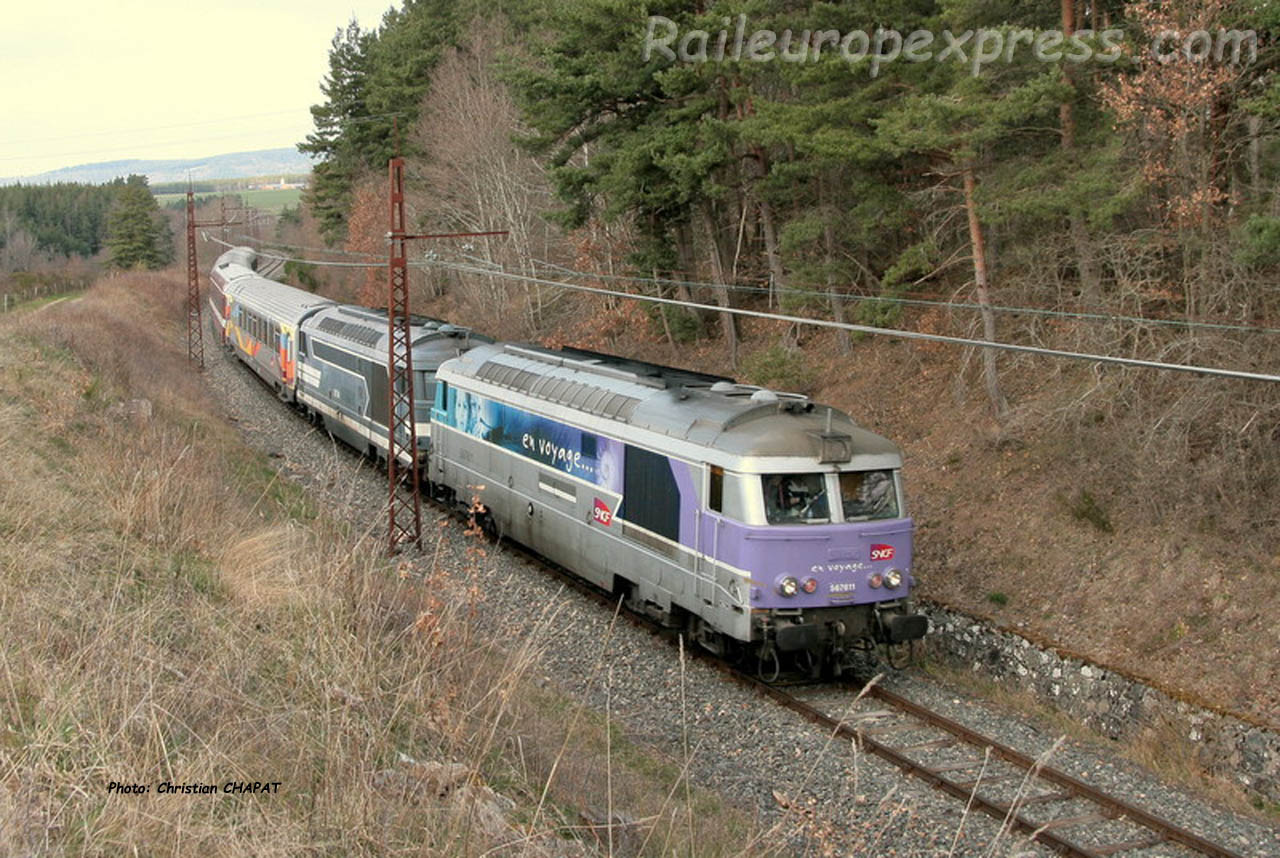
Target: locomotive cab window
{"points": [[795, 498], [868, 495]]}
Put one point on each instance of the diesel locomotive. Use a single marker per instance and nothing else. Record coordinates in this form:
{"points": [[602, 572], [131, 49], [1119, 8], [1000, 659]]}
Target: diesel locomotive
{"points": [[763, 523]]}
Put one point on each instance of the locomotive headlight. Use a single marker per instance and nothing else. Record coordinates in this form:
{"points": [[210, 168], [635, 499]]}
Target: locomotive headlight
{"points": [[810, 585], [788, 586], [893, 579], [876, 580]]}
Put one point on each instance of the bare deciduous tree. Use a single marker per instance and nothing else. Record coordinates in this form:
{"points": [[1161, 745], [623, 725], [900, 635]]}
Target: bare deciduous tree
{"points": [[476, 178]]}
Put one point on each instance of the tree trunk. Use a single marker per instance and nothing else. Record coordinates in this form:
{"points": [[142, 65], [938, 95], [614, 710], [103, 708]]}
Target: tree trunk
{"points": [[1090, 282], [981, 285], [688, 271], [843, 339], [767, 228], [728, 320], [1255, 157]]}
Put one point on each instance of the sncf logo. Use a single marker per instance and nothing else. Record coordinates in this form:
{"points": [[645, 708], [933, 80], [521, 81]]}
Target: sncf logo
{"points": [[602, 513], [878, 552]]}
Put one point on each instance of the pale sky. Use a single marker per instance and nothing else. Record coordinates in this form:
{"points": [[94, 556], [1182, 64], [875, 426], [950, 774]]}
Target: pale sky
{"points": [[83, 81]]}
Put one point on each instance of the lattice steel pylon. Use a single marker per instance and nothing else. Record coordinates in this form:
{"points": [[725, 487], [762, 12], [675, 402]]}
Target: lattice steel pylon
{"points": [[404, 506], [402, 430], [195, 326]]}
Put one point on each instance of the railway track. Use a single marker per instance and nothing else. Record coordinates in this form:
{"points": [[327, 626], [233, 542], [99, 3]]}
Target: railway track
{"points": [[1053, 808]]}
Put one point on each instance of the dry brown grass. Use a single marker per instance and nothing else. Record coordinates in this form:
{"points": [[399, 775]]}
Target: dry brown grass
{"points": [[173, 611]]}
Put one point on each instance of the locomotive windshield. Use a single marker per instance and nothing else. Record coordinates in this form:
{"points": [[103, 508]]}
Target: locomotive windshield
{"points": [[868, 495], [803, 498], [795, 498]]}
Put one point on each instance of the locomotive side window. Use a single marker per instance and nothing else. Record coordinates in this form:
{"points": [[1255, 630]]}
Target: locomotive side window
{"points": [[739, 491], [795, 498], [715, 493], [868, 495]]}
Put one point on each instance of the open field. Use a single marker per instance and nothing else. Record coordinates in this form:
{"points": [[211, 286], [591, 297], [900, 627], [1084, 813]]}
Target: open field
{"points": [[267, 199]]}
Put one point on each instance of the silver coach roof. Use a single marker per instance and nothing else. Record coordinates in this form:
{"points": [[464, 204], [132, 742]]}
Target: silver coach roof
{"points": [[737, 419], [363, 331], [281, 302]]}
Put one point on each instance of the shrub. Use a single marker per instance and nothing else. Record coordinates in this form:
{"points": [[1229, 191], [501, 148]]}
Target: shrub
{"points": [[780, 368]]}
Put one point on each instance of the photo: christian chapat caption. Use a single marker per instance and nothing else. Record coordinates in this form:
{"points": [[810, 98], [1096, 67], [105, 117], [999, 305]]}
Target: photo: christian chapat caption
{"points": [[171, 788]]}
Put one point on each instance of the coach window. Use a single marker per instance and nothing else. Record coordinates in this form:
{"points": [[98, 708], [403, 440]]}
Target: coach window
{"points": [[715, 492]]}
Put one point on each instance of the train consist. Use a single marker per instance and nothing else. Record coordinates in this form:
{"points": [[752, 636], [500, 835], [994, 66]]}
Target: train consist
{"points": [[328, 359], [766, 525]]}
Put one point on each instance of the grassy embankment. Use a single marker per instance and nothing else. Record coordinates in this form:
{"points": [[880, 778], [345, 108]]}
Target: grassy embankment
{"points": [[171, 610]]}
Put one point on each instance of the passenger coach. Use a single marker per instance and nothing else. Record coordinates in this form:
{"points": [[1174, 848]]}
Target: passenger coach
{"points": [[235, 264], [343, 377], [759, 520]]}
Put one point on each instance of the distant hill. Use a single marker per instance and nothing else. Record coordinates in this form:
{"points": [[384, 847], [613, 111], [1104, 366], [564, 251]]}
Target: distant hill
{"points": [[263, 162]]}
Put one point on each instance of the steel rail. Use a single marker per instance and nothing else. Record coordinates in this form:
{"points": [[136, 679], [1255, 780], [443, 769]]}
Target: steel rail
{"points": [[1042, 832], [1079, 788]]}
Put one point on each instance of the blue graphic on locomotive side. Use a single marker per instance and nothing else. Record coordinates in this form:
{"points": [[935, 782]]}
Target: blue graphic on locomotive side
{"points": [[581, 454]]}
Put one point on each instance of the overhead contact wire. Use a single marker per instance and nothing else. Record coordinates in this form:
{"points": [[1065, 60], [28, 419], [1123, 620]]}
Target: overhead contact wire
{"points": [[869, 329], [497, 271]]}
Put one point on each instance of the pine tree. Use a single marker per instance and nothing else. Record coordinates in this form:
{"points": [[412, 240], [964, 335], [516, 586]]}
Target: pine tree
{"points": [[341, 124], [138, 236], [375, 85]]}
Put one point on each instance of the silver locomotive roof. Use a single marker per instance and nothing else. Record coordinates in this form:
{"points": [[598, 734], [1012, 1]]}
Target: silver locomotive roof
{"points": [[707, 410]]}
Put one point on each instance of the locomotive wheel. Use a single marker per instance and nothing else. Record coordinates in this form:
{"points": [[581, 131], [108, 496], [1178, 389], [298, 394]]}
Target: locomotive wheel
{"points": [[807, 661], [899, 656]]}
